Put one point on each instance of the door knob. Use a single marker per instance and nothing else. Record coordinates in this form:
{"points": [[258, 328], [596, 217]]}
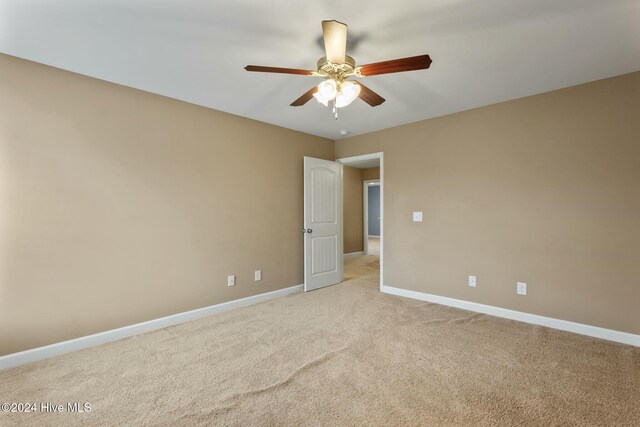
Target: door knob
{"points": [[309, 230]]}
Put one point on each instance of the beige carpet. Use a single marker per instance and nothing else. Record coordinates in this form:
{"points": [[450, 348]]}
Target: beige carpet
{"points": [[345, 355], [373, 245]]}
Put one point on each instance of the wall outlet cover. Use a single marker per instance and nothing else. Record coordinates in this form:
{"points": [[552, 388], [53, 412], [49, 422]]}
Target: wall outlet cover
{"points": [[417, 217], [231, 280], [472, 281]]}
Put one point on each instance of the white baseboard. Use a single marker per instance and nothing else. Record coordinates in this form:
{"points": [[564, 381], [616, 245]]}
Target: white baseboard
{"points": [[353, 254], [39, 353], [563, 325]]}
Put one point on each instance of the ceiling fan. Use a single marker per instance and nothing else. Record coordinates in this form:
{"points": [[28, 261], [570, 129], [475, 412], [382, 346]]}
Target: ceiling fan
{"points": [[337, 67]]}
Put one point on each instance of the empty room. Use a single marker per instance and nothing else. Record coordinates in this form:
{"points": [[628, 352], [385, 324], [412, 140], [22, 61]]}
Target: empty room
{"points": [[334, 213]]}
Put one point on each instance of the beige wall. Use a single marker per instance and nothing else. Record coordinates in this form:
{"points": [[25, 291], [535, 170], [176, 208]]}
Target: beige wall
{"points": [[370, 174], [352, 209], [544, 189], [118, 206]]}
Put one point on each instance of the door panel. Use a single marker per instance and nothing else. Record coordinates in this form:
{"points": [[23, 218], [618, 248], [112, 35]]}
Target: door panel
{"points": [[374, 210], [322, 223], [323, 183], [324, 249]]}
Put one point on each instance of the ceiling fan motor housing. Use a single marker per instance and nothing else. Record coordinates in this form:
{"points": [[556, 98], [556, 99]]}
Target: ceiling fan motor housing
{"points": [[337, 71]]}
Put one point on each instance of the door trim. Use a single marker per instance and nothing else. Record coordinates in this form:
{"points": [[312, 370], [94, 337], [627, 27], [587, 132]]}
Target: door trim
{"points": [[378, 155]]}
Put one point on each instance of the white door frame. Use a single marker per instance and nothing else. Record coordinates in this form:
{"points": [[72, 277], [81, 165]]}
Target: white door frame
{"points": [[365, 210], [379, 155]]}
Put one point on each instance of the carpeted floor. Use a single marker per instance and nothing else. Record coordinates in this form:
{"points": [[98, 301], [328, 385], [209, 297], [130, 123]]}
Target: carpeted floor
{"points": [[373, 246], [344, 355]]}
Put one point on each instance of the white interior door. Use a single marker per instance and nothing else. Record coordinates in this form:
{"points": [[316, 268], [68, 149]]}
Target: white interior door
{"points": [[323, 259]]}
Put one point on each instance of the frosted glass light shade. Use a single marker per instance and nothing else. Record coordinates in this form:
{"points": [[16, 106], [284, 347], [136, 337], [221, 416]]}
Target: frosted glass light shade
{"points": [[327, 89], [320, 99], [348, 92]]}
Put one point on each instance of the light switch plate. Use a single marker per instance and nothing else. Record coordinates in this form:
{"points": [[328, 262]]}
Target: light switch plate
{"points": [[258, 275], [231, 280], [521, 288], [417, 217]]}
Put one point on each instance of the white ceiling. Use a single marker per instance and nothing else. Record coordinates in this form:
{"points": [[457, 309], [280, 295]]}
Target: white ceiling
{"points": [[484, 51]]}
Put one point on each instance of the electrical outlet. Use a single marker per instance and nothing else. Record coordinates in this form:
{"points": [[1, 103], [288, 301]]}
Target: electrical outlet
{"points": [[472, 281], [231, 280], [258, 275], [417, 217], [521, 288]]}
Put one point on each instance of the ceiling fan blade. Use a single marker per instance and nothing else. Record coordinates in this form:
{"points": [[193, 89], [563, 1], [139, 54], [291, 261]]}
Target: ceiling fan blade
{"points": [[369, 96], [335, 41], [421, 62], [261, 69], [305, 97]]}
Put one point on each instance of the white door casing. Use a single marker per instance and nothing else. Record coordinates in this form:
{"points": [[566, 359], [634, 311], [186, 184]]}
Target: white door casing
{"points": [[323, 246]]}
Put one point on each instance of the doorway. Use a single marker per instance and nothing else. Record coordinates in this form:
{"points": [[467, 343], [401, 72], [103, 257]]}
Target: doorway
{"points": [[369, 235]]}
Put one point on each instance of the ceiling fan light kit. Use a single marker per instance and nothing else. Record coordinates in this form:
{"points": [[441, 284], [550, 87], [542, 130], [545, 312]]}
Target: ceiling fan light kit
{"points": [[337, 67]]}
